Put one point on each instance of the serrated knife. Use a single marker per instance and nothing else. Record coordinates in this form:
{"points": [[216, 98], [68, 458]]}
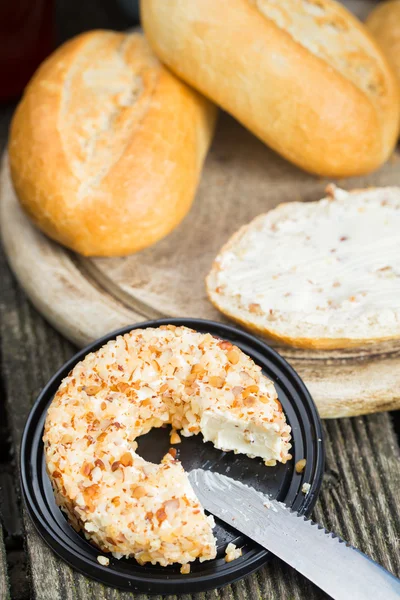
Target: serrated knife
{"points": [[340, 570]]}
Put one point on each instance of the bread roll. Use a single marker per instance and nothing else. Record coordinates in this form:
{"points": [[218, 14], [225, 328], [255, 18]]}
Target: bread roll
{"points": [[384, 24], [107, 146], [318, 274], [302, 75]]}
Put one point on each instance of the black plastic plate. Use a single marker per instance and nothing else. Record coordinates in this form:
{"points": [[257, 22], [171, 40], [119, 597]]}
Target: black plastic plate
{"points": [[281, 482]]}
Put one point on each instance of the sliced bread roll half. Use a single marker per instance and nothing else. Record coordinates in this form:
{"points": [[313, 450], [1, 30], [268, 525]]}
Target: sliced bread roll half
{"points": [[316, 275], [304, 76]]}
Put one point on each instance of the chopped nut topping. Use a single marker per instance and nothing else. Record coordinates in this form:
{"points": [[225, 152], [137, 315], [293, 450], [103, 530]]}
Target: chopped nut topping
{"points": [[171, 506], [89, 494], [249, 401], [174, 437], [161, 515], [92, 390], [197, 368], [264, 399], [122, 386], [87, 468], [237, 390], [251, 389], [224, 345], [138, 492], [233, 356], [217, 382], [126, 459]]}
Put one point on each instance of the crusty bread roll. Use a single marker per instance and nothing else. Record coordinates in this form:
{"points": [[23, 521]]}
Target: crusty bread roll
{"points": [[303, 75], [318, 274], [106, 145], [384, 24]]}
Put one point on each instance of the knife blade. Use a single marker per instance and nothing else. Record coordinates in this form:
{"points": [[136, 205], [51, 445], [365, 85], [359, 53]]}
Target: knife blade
{"points": [[340, 570]]}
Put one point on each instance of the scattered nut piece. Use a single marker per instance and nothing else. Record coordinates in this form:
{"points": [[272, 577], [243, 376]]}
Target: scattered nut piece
{"points": [[103, 560], [185, 569], [232, 553], [300, 465], [306, 488], [172, 452]]}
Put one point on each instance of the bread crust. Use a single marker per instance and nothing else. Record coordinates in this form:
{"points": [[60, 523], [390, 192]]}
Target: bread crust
{"points": [[292, 99], [304, 342], [384, 24], [130, 177]]}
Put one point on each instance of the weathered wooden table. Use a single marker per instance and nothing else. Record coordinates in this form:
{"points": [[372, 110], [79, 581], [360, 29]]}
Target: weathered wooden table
{"points": [[360, 496]]}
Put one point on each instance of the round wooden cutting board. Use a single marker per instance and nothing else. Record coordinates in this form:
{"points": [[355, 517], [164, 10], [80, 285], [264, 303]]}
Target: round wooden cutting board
{"points": [[86, 298]]}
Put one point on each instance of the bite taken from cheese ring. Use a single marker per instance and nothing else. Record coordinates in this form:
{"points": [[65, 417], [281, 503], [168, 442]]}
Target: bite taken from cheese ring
{"points": [[106, 146], [144, 379], [323, 275]]}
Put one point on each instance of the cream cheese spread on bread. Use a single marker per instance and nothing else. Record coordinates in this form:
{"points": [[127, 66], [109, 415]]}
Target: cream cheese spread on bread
{"points": [[309, 272]]}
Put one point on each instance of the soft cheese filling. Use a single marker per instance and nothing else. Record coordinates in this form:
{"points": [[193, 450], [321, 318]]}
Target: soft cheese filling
{"points": [[231, 434]]}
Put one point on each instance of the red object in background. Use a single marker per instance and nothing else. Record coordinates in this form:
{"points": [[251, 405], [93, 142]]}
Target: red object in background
{"points": [[27, 36]]}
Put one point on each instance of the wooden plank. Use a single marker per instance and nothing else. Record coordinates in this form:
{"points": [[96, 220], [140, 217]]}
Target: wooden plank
{"points": [[4, 587], [358, 500]]}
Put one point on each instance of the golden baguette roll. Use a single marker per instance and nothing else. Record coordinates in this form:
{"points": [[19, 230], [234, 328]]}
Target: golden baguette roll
{"points": [[106, 145], [304, 76], [384, 24]]}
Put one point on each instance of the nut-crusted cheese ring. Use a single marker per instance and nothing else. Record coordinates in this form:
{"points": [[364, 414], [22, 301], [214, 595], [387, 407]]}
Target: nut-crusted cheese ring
{"points": [[141, 380]]}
